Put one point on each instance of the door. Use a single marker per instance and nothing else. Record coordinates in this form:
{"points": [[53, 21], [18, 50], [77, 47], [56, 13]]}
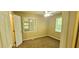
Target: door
{"points": [[18, 31]]}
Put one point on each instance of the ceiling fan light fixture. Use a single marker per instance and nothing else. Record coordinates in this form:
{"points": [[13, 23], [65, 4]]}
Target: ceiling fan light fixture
{"points": [[48, 13]]}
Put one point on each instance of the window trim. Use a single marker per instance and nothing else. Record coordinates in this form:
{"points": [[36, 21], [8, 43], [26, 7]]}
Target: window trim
{"points": [[34, 22], [55, 23]]}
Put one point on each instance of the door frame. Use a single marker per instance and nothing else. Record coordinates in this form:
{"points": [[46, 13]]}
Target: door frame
{"points": [[75, 30]]}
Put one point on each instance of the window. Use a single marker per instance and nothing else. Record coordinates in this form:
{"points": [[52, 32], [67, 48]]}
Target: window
{"points": [[28, 25], [58, 25]]}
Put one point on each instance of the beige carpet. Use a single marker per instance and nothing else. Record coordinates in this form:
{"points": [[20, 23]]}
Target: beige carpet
{"points": [[43, 42]]}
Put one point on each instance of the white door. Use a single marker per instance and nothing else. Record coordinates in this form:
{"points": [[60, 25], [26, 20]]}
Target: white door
{"points": [[18, 31]]}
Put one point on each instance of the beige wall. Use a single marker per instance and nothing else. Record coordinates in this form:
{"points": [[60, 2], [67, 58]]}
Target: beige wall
{"points": [[6, 37], [40, 27], [51, 27]]}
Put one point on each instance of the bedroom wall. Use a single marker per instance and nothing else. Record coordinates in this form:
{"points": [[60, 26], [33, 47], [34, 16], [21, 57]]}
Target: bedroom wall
{"points": [[51, 27], [6, 37]]}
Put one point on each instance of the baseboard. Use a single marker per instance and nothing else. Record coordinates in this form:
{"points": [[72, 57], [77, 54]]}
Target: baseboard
{"points": [[54, 37], [42, 36], [34, 38]]}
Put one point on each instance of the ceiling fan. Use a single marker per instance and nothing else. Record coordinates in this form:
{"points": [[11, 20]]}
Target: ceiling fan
{"points": [[48, 13]]}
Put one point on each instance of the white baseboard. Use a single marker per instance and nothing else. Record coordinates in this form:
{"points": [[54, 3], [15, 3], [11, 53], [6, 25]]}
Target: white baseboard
{"points": [[34, 38], [41, 36], [54, 37]]}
